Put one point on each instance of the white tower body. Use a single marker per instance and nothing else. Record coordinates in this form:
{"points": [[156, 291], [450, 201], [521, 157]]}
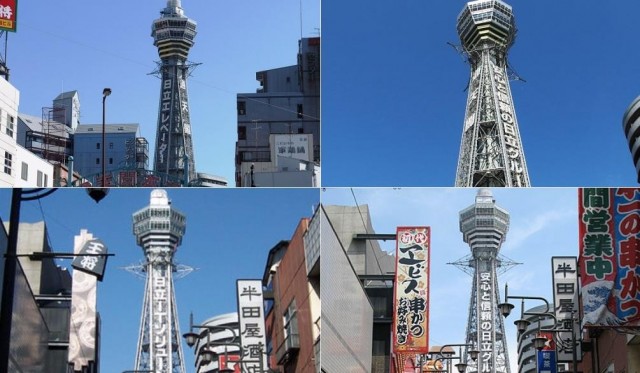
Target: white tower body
{"points": [[484, 226], [159, 229], [491, 151]]}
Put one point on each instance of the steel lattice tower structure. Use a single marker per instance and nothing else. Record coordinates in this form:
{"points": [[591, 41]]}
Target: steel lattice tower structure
{"points": [[491, 151], [159, 229], [484, 226], [173, 34]]}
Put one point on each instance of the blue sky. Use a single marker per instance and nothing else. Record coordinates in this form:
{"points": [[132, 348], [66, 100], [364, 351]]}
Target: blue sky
{"points": [[544, 223], [393, 91], [87, 46], [228, 236]]}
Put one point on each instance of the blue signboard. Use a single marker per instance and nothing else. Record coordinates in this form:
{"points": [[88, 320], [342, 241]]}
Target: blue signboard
{"points": [[547, 361]]}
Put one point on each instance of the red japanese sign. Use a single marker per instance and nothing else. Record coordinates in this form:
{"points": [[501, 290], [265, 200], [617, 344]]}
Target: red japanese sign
{"points": [[411, 290], [8, 14], [610, 255]]}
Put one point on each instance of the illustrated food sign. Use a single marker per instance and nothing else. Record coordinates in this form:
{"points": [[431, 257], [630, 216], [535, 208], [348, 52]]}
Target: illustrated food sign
{"points": [[8, 14], [411, 298], [252, 330], [95, 263], [609, 221]]}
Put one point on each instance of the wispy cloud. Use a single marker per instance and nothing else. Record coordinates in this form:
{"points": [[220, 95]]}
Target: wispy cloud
{"points": [[518, 235]]}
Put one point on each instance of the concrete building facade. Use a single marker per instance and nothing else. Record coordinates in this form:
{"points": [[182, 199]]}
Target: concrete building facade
{"points": [[279, 125], [365, 274], [218, 338], [19, 167]]}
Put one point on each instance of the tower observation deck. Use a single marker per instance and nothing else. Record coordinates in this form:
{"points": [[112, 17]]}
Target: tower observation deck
{"points": [[491, 152], [484, 226], [159, 229], [173, 34]]}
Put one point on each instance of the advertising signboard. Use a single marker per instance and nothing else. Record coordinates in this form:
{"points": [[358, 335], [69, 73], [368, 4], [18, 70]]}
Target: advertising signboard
{"points": [[252, 329], [411, 294], [565, 290], [8, 15], [609, 230]]}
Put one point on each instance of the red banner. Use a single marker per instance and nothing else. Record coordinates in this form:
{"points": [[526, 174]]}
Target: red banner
{"points": [[8, 14]]}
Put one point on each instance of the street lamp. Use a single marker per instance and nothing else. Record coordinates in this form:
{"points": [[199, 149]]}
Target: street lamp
{"points": [[105, 92], [461, 366], [539, 341]]}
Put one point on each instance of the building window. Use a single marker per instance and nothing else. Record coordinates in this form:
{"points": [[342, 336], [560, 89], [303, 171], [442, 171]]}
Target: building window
{"points": [[97, 145], [39, 179], [242, 108], [110, 145], [300, 130], [110, 160], [25, 171], [8, 161], [300, 113], [290, 323], [10, 125], [97, 160], [46, 180], [242, 133]]}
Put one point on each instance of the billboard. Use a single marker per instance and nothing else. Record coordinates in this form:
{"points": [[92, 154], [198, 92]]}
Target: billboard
{"points": [[297, 146], [565, 300], [411, 290], [609, 229], [8, 15], [252, 329]]}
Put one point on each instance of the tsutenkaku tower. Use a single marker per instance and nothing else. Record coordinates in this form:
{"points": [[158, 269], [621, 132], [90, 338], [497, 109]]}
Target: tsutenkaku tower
{"points": [[484, 226], [173, 34], [491, 151], [159, 229]]}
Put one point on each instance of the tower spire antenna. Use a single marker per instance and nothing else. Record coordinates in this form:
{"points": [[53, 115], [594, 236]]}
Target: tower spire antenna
{"points": [[484, 226], [491, 152], [173, 34], [159, 228]]}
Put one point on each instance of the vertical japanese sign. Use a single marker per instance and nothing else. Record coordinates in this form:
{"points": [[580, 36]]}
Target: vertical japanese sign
{"points": [[92, 264], [82, 334], [486, 328], [252, 329], [547, 361], [8, 15], [164, 128], [161, 316], [565, 290], [609, 255], [411, 290]]}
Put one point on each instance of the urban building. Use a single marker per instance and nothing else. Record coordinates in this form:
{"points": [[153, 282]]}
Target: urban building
{"points": [[279, 125], [527, 353], [358, 318], [608, 350], [292, 318], [66, 109], [45, 137], [43, 304], [125, 150], [491, 152], [216, 341], [159, 228], [173, 34], [484, 226], [20, 167], [211, 181], [631, 127]]}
